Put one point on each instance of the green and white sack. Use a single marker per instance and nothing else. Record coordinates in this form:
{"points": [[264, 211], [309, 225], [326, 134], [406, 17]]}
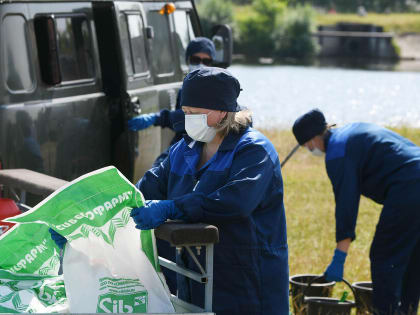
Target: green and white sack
{"points": [[109, 266], [25, 293]]}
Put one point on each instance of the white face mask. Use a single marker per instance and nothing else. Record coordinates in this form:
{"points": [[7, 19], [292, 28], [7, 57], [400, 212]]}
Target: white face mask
{"points": [[197, 128], [195, 67], [315, 151]]}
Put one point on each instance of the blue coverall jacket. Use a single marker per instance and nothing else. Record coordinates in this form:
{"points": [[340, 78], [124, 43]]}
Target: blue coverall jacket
{"points": [[364, 159], [239, 190]]}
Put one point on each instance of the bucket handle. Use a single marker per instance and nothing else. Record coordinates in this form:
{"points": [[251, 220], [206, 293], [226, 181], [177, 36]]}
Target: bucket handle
{"points": [[322, 276]]}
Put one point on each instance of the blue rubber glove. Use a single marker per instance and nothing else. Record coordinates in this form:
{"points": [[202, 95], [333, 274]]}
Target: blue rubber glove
{"points": [[57, 238], [155, 213], [142, 122], [335, 270]]}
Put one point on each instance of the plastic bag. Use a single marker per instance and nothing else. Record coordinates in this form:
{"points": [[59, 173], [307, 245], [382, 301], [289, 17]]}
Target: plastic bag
{"points": [[25, 293], [108, 265], [29, 264]]}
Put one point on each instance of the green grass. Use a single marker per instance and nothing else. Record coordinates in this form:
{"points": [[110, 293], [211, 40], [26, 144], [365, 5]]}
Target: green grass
{"points": [[309, 203], [393, 22]]}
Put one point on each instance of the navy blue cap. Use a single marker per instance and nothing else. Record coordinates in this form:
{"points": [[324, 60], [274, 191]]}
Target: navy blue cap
{"points": [[211, 88], [309, 125], [200, 45]]}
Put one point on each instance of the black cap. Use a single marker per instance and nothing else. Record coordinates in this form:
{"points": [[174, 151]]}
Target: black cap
{"points": [[211, 88], [309, 125]]}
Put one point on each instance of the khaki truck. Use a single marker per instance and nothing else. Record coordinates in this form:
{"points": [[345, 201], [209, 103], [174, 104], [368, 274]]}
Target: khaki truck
{"points": [[73, 73]]}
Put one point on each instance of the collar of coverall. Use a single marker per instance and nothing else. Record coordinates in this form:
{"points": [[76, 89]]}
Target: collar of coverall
{"points": [[327, 138]]}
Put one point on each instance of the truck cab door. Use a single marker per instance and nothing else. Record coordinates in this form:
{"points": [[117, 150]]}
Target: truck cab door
{"points": [[139, 96]]}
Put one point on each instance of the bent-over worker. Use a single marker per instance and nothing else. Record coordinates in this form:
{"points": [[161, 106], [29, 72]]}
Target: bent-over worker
{"points": [[365, 159]]}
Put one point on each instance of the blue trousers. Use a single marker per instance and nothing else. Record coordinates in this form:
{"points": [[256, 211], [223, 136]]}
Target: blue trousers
{"points": [[395, 253]]}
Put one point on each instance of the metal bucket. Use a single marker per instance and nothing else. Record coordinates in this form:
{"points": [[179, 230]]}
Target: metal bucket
{"points": [[328, 306], [300, 285], [318, 305], [363, 294]]}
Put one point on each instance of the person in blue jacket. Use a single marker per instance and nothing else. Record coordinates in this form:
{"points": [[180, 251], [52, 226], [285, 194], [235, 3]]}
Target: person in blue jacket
{"points": [[227, 174], [200, 52], [365, 159]]}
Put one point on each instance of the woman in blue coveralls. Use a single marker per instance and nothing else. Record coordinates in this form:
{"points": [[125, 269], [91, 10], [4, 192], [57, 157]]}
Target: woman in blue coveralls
{"points": [[365, 159], [227, 174]]}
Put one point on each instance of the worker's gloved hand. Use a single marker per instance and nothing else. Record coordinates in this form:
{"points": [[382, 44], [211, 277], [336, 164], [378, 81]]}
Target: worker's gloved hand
{"points": [[155, 213], [142, 122], [57, 238], [335, 270]]}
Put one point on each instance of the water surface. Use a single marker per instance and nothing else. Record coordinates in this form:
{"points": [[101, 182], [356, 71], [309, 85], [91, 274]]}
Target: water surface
{"points": [[277, 95]]}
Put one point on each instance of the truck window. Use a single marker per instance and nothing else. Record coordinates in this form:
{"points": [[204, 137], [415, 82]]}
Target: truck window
{"points": [[125, 43], [134, 44], [74, 48], [16, 63], [161, 47], [183, 32]]}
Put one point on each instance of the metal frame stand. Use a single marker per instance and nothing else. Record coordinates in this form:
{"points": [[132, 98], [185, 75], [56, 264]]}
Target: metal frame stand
{"points": [[205, 276]]}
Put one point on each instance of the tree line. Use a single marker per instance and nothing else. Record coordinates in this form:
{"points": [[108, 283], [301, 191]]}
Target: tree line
{"points": [[272, 30], [352, 6]]}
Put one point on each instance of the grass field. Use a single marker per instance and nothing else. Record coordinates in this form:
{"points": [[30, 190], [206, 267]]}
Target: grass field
{"points": [[309, 203]]}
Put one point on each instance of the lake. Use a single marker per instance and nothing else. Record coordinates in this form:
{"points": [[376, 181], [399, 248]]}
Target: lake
{"points": [[277, 95]]}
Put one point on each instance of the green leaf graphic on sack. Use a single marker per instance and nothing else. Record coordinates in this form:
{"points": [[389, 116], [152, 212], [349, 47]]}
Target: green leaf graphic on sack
{"points": [[50, 267], [17, 303], [106, 233], [7, 297]]}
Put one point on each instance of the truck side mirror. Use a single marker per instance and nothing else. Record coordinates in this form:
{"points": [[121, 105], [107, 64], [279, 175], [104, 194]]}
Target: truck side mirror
{"points": [[46, 40], [222, 39]]}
